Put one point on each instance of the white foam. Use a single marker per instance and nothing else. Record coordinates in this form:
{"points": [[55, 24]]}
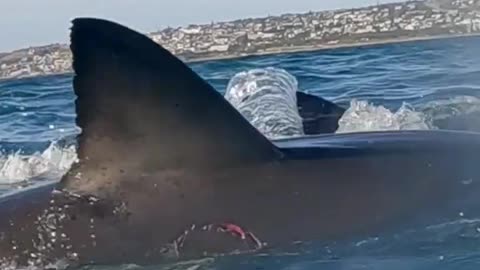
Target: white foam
{"points": [[52, 162], [363, 116]]}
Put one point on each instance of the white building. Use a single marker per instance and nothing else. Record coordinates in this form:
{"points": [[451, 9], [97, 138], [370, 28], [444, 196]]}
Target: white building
{"points": [[219, 48]]}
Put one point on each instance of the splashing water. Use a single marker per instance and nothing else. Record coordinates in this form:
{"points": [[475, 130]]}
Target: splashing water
{"points": [[267, 99], [363, 116], [53, 162]]}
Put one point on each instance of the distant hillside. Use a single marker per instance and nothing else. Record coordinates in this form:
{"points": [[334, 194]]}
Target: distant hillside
{"points": [[471, 5], [314, 30]]}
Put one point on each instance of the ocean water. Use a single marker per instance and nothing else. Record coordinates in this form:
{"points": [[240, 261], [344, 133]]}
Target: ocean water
{"points": [[410, 85]]}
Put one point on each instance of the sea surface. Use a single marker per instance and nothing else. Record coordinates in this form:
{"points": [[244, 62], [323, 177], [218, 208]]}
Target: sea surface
{"points": [[391, 86]]}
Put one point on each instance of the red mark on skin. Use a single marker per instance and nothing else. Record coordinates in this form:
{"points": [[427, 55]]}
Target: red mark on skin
{"points": [[238, 231], [234, 229]]}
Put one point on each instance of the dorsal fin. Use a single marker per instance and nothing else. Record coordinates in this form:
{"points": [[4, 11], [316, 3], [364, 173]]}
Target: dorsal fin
{"points": [[141, 109], [319, 115]]}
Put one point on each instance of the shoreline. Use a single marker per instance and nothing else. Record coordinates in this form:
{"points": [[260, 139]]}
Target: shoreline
{"points": [[291, 50], [323, 47]]}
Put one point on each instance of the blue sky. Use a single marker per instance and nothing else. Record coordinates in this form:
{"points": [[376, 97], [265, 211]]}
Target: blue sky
{"points": [[39, 22]]}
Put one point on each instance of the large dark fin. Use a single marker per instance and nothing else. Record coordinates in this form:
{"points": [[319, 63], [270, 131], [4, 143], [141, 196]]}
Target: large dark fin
{"points": [[319, 115], [142, 110]]}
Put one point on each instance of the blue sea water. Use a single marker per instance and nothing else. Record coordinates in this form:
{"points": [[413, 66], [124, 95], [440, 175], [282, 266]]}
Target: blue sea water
{"points": [[404, 85]]}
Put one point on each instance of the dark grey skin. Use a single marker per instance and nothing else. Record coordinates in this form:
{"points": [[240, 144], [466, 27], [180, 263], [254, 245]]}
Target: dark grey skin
{"points": [[161, 152], [318, 114]]}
